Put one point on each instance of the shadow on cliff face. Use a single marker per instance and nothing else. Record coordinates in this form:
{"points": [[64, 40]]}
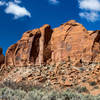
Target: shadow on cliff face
{"points": [[35, 50], [47, 45], [96, 46]]}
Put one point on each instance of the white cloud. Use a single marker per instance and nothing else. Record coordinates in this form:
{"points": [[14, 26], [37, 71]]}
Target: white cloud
{"points": [[90, 16], [90, 9], [54, 1], [16, 10], [2, 3], [17, 1], [90, 4]]}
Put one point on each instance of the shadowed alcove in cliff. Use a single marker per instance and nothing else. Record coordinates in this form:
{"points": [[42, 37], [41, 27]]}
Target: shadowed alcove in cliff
{"points": [[35, 48], [96, 47], [41, 46], [47, 45]]}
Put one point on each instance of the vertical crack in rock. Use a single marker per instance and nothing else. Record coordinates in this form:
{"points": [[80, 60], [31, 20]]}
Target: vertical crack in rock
{"points": [[68, 31]]}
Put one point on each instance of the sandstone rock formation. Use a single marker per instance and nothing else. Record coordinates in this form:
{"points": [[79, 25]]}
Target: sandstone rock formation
{"points": [[1, 57], [33, 48], [72, 52], [70, 41]]}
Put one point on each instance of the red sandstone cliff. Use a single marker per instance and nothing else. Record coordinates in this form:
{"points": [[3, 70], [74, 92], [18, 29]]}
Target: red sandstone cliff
{"points": [[73, 51], [70, 41]]}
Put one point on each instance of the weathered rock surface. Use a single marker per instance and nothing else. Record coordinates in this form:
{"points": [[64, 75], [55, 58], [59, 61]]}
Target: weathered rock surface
{"points": [[71, 55], [69, 42], [33, 48], [1, 57]]}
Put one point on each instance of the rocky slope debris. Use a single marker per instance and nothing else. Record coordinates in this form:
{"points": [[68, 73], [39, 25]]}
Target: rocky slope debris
{"points": [[85, 79]]}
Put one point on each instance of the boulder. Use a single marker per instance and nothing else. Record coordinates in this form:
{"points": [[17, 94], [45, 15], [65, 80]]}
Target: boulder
{"points": [[69, 42]]}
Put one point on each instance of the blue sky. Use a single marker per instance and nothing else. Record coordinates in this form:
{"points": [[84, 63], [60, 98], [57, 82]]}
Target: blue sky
{"points": [[18, 16]]}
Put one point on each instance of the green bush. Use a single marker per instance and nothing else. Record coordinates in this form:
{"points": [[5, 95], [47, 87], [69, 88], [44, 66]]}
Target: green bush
{"points": [[93, 83], [10, 94], [81, 89], [36, 94]]}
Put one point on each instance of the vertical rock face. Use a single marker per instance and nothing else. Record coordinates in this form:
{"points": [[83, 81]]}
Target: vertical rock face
{"points": [[33, 48], [1, 57], [45, 45], [71, 40]]}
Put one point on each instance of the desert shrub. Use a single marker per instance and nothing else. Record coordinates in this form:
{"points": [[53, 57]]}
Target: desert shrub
{"points": [[93, 83], [50, 96], [81, 89], [36, 94], [96, 87], [82, 69], [90, 97], [71, 96], [20, 85], [33, 95], [10, 94]]}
